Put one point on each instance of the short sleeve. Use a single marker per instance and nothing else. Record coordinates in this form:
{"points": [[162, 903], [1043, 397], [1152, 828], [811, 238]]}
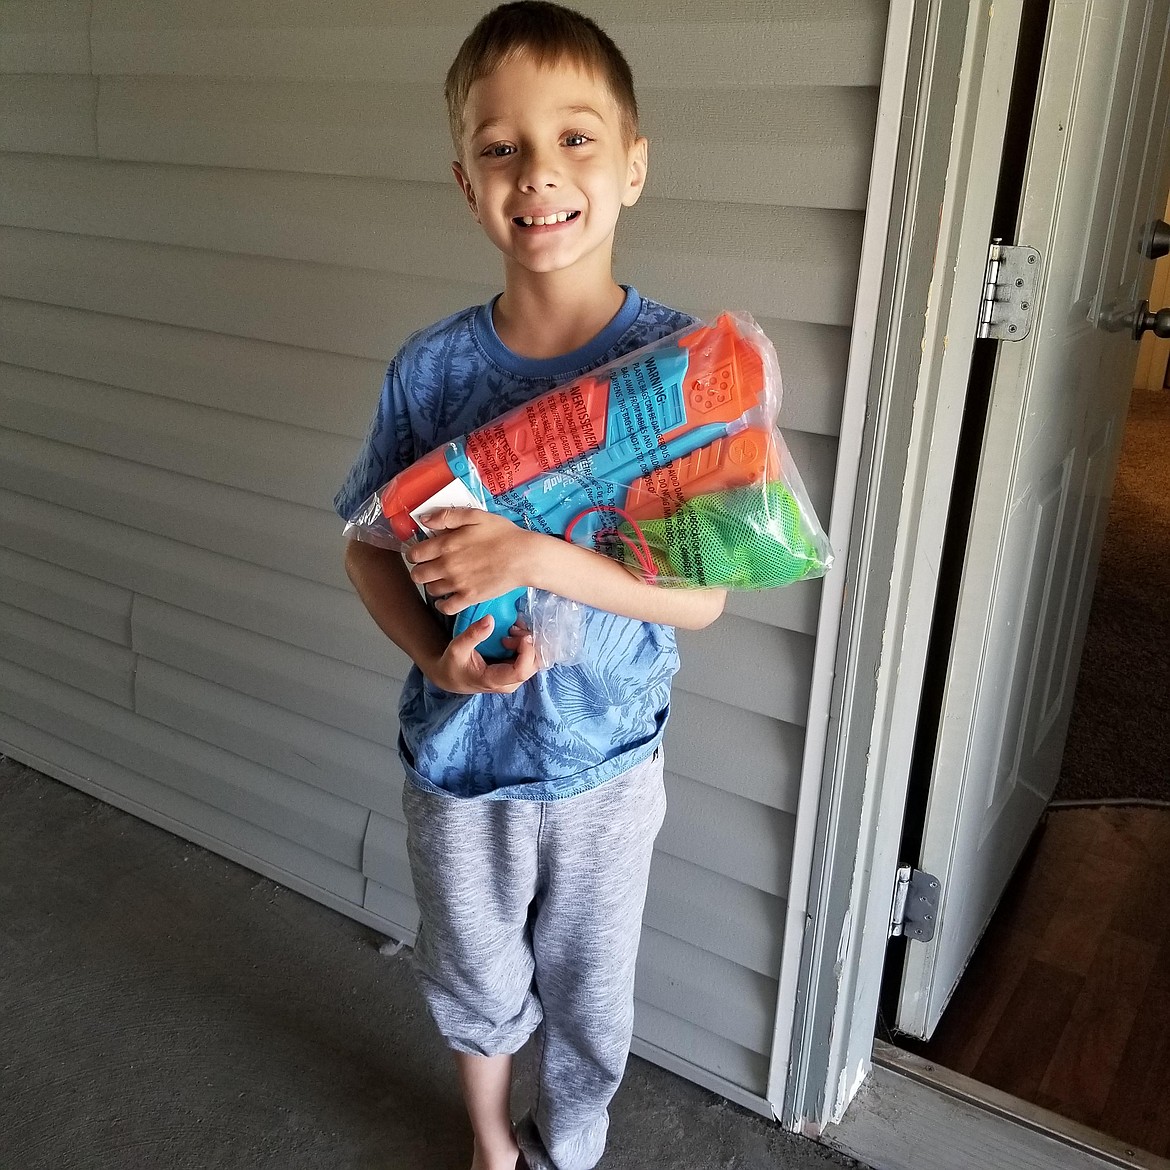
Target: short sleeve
{"points": [[387, 448]]}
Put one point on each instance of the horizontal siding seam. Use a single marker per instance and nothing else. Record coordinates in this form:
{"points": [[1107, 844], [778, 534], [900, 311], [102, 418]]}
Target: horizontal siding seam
{"points": [[718, 1036], [155, 531], [773, 976], [268, 257], [226, 411], [294, 809], [64, 155], [72, 75], [185, 829], [70, 630], [707, 869], [365, 741], [198, 329], [164, 536]]}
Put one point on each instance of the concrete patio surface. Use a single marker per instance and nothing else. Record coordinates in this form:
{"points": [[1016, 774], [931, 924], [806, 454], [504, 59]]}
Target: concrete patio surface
{"points": [[163, 1007]]}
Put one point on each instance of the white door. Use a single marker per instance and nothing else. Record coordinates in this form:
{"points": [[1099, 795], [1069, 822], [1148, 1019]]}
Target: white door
{"points": [[1095, 179]]}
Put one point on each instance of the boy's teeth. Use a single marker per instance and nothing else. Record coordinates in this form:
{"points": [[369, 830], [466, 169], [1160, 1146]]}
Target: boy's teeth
{"points": [[541, 220]]}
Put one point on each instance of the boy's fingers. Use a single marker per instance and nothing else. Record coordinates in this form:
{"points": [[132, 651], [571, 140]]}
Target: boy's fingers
{"points": [[438, 586], [505, 678], [468, 660], [444, 518], [442, 591], [475, 633], [500, 677], [449, 600], [425, 550], [423, 574], [524, 665]]}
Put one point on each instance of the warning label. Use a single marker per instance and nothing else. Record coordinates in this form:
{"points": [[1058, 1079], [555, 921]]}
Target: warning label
{"points": [[535, 438]]}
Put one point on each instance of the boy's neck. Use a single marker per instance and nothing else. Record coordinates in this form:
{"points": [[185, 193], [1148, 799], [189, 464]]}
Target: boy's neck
{"points": [[554, 314]]}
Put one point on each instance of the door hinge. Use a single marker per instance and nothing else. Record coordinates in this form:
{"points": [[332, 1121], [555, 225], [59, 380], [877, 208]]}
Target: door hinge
{"points": [[1009, 292], [915, 908]]}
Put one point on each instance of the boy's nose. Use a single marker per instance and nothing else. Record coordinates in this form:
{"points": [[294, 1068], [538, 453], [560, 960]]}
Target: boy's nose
{"points": [[539, 172]]}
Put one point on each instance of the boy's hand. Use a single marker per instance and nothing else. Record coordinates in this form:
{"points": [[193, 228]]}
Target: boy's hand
{"points": [[472, 556], [461, 669]]}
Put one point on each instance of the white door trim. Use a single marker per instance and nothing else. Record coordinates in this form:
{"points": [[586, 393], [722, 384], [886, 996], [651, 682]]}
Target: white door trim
{"points": [[867, 321], [958, 72]]}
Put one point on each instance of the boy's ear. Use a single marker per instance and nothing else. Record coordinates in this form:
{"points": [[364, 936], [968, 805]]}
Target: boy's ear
{"points": [[465, 187], [636, 178]]}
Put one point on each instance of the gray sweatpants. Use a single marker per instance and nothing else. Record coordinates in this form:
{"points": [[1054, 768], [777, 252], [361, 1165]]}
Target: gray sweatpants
{"points": [[531, 911]]}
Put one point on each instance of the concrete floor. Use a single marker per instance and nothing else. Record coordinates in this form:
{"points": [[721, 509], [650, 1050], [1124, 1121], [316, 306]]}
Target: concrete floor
{"points": [[164, 1007]]}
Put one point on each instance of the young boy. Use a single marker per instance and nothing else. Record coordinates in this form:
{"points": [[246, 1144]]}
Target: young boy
{"points": [[533, 796]]}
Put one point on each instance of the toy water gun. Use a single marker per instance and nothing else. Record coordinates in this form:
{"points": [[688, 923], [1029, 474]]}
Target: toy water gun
{"points": [[666, 460]]}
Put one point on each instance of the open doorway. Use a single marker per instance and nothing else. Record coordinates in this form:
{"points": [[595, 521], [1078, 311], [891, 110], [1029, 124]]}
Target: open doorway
{"points": [[1066, 1002]]}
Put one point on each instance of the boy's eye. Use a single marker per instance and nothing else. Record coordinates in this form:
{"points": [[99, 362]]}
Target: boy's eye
{"points": [[576, 139], [498, 150]]}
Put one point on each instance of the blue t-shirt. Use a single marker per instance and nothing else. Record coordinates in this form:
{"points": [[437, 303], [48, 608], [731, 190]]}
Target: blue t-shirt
{"points": [[568, 728]]}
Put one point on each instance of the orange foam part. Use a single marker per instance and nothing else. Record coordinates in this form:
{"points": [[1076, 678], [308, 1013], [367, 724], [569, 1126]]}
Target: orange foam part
{"points": [[411, 488], [725, 375], [736, 461]]}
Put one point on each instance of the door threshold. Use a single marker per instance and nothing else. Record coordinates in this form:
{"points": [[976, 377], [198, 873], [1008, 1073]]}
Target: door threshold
{"points": [[911, 1113]]}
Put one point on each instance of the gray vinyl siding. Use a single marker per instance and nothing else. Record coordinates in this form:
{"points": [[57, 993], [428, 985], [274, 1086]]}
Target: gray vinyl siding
{"points": [[217, 223]]}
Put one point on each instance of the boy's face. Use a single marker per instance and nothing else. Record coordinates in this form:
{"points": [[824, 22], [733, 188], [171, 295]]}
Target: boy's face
{"points": [[546, 143]]}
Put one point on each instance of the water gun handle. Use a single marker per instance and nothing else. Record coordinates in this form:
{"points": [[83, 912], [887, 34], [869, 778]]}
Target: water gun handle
{"points": [[504, 610]]}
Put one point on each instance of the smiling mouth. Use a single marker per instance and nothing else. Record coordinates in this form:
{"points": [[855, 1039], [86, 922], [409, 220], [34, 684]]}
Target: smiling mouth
{"points": [[545, 220]]}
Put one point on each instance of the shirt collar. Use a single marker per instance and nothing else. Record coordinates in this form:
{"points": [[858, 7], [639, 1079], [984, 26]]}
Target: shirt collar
{"points": [[579, 360]]}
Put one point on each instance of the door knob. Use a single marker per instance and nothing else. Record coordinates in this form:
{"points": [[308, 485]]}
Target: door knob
{"points": [[1158, 243], [1141, 320]]}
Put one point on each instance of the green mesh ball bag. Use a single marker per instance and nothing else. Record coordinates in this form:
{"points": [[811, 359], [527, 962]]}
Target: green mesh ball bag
{"points": [[754, 537]]}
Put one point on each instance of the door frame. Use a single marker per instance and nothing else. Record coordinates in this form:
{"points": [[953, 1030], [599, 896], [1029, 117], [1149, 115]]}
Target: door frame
{"points": [[957, 62]]}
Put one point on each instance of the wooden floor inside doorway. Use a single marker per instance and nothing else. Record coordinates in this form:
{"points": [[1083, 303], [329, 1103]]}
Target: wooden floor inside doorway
{"points": [[1067, 1001]]}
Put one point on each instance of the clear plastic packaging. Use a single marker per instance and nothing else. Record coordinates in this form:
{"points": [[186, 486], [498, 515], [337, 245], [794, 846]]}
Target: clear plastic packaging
{"points": [[667, 460], [557, 626]]}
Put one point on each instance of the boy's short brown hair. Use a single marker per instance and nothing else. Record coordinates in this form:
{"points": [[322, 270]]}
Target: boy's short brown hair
{"points": [[549, 34]]}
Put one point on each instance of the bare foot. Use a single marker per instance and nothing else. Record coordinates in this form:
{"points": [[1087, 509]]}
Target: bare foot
{"points": [[505, 1158]]}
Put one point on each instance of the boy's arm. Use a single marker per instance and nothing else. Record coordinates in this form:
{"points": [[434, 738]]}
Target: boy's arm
{"points": [[583, 575], [386, 590], [478, 555]]}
